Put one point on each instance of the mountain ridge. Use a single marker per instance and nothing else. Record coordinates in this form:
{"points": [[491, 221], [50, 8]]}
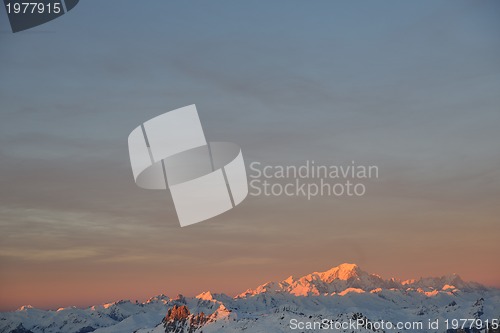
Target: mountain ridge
{"points": [[341, 293], [344, 276]]}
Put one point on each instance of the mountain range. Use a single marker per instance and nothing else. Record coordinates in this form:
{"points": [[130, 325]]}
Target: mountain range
{"points": [[333, 299]]}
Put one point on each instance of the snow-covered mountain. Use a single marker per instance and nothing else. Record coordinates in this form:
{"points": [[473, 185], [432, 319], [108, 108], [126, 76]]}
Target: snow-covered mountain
{"points": [[344, 298], [350, 278]]}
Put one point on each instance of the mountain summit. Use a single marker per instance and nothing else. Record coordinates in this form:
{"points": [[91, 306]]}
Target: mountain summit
{"points": [[342, 272]]}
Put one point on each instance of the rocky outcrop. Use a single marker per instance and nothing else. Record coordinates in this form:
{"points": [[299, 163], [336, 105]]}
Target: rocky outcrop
{"points": [[180, 320]]}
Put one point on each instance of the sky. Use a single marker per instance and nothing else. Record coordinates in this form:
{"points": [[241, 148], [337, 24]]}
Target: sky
{"points": [[411, 87]]}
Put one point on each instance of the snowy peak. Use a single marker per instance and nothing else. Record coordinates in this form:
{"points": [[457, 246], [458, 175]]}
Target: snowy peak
{"points": [[209, 297], [206, 296], [446, 282], [334, 280], [342, 272], [25, 308], [347, 278]]}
